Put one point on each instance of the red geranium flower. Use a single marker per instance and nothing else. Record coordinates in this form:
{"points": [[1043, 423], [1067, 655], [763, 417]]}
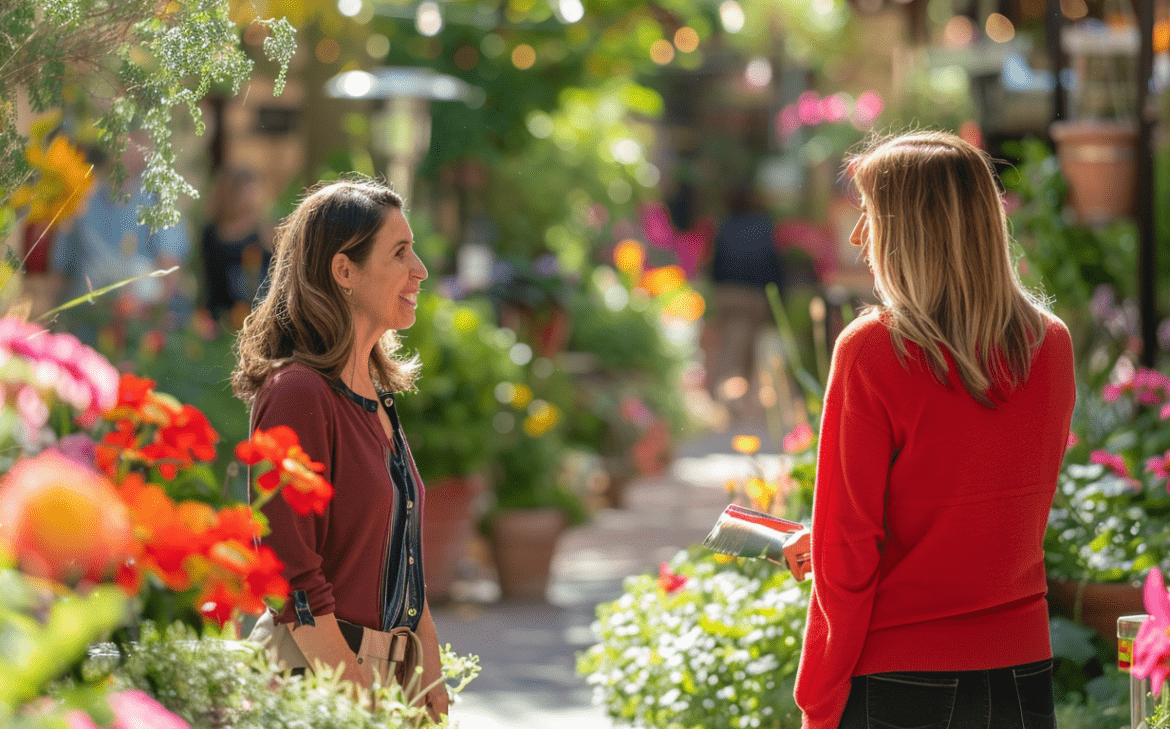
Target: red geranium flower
{"points": [[305, 490], [668, 580]]}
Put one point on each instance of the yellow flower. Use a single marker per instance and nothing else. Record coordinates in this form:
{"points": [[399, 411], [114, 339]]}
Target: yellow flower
{"points": [[746, 444], [629, 257], [542, 417], [465, 320], [62, 181], [761, 493], [724, 558], [685, 305], [521, 396]]}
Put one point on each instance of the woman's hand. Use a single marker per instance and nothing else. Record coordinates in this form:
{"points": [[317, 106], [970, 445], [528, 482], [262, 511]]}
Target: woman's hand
{"points": [[798, 554]]}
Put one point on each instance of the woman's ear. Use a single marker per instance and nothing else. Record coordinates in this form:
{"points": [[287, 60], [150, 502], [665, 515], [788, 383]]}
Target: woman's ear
{"points": [[343, 270]]}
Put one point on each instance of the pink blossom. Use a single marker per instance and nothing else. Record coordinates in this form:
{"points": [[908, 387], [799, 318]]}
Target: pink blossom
{"points": [[59, 362], [1151, 648], [1112, 460], [799, 439], [1165, 414], [1073, 440], [1159, 465], [132, 709], [1112, 392]]}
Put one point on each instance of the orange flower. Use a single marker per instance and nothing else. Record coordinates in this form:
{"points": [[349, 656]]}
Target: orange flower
{"points": [[237, 522], [306, 491], [62, 520], [217, 602], [178, 444], [133, 393], [658, 281]]}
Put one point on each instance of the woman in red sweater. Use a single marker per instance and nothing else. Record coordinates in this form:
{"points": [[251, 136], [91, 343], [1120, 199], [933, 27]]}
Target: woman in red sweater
{"points": [[945, 422]]}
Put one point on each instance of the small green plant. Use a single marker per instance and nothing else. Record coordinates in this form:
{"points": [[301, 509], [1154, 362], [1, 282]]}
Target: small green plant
{"points": [[211, 682], [708, 643]]}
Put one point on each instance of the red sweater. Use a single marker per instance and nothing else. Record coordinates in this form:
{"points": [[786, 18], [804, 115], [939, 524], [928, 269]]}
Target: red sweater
{"points": [[928, 518]]}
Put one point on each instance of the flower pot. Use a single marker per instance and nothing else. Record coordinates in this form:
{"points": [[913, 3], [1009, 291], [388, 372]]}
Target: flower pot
{"points": [[1101, 603], [547, 329], [523, 543], [447, 530], [1097, 159]]}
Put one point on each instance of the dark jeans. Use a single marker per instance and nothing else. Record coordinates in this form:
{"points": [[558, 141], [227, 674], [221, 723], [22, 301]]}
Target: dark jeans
{"points": [[1017, 697]]}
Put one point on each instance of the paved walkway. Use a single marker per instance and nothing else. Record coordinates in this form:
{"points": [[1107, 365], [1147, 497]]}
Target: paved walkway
{"points": [[528, 650]]}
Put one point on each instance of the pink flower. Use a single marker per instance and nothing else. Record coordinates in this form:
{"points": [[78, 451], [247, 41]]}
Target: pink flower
{"points": [[1159, 465], [799, 439], [1165, 414], [1073, 440], [1151, 648], [1112, 460], [1112, 392]]}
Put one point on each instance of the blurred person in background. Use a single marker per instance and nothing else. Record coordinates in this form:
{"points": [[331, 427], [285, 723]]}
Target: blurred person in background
{"points": [[744, 261], [104, 244], [236, 246], [945, 421], [318, 355]]}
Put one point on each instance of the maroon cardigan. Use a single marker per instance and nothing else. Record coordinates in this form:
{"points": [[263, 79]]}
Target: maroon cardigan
{"points": [[336, 558]]}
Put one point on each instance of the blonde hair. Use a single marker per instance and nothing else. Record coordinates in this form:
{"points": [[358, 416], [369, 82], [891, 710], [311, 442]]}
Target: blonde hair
{"points": [[304, 317], [942, 260]]}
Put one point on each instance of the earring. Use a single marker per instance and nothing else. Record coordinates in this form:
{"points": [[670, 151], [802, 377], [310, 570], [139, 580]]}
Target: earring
{"points": [[348, 292]]}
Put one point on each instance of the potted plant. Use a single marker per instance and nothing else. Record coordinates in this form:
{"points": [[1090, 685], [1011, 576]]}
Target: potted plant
{"points": [[1096, 144], [533, 506], [626, 402], [534, 300], [449, 422]]}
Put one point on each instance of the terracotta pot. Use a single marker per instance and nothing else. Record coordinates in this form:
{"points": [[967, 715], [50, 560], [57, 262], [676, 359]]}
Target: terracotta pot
{"points": [[1097, 159], [447, 530], [523, 543], [547, 330], [1101, 604]]}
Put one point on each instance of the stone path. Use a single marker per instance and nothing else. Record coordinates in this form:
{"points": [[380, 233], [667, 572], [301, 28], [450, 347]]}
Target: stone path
{"points": [[528, 650]]}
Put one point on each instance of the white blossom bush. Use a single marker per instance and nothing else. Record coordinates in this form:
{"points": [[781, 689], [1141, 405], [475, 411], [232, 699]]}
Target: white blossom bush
{"points": [[706, 644]]}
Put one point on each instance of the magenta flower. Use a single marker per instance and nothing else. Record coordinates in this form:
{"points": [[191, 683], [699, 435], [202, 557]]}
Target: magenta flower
{"points": [[1151, 648], [1073, 440], [1159, 466], [1112, 392], [1112, 460], [62, 365], [1165, 414], [132, 709]]}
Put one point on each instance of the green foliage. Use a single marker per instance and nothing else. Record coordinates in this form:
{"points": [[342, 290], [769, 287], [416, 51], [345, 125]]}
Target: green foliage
{"points": [[1105, 526], [465, 357], [42, 638], [1065, 260], [216, 683], [719, 652], [157, 57]]}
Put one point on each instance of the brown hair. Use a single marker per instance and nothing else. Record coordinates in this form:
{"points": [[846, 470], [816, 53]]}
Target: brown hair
{"points": [[303, 318], [941, 257]]}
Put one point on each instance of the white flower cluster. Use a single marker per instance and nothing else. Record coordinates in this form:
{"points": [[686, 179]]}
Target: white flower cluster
{"points": [[719, 651]]}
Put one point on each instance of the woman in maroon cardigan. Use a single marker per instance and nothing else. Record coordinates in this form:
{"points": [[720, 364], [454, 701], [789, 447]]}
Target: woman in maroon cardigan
{"points": [[317, 355], [945, 422]]}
